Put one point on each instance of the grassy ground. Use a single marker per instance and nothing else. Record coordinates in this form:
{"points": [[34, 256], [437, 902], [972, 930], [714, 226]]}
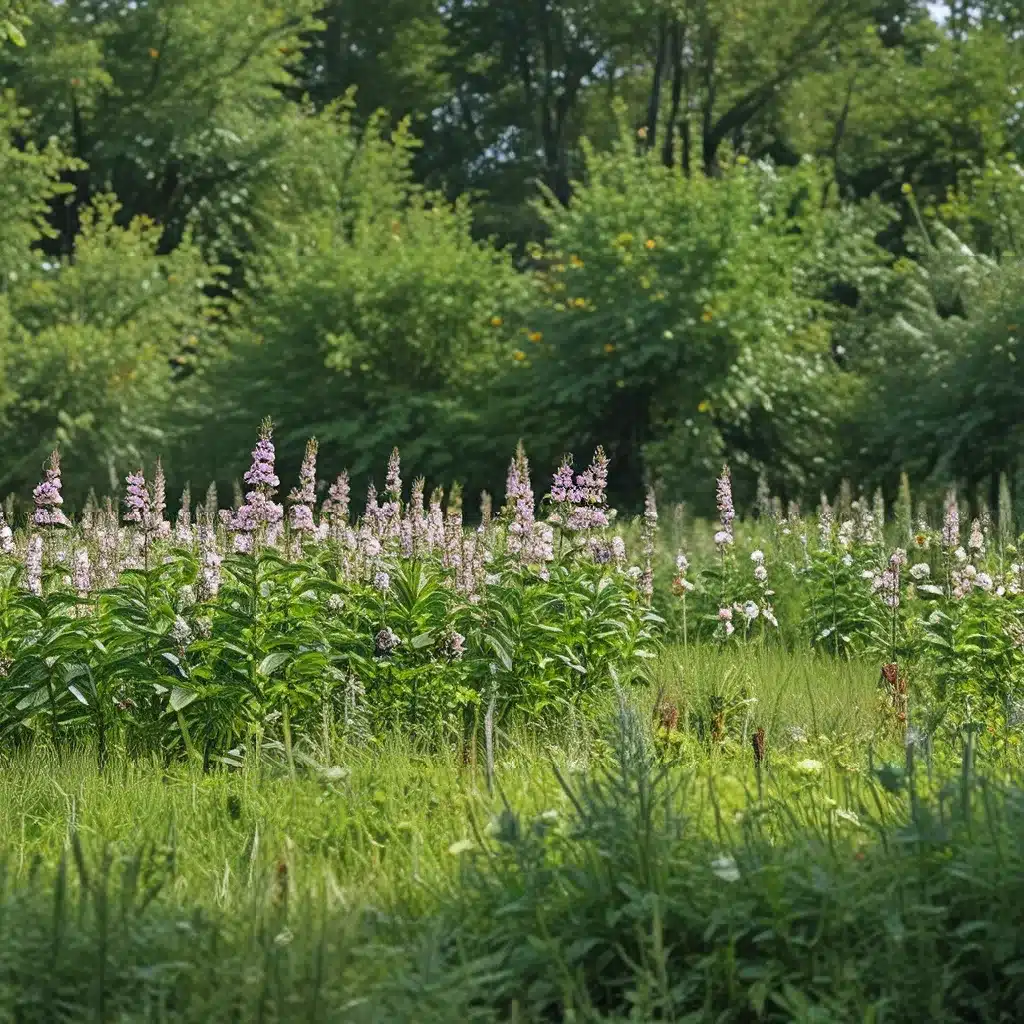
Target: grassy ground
{"points": [[616, 871]]}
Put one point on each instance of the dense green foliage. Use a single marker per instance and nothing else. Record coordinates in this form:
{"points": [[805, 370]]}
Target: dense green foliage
{"points": [[686, 231]]}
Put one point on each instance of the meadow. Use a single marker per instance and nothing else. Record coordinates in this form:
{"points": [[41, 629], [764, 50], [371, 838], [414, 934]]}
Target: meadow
{"points": [[280, 762]]}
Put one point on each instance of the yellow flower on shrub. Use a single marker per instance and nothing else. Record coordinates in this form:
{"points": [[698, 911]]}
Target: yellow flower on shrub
{"points": [[650, 243], [707, 316], [496, 321], [519, 355], [575, 261], [535, 336], [609, 348], [705, 406]]}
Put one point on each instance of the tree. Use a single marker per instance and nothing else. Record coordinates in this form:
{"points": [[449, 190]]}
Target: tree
{"points": [[173, 105], [373, 321]]}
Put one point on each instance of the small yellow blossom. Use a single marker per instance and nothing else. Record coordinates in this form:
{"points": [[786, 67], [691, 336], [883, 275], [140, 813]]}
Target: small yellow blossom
{"points": [[154, 53], [704, 406], [575, 261], [609, 348], [641, 133], [496, 321], [707, 316], [536, 336], [519, 355], [579, 303], [650, 243]]}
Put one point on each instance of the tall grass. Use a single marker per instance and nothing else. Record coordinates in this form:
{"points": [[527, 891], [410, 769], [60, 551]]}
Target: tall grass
{"points": [[619, 871]]}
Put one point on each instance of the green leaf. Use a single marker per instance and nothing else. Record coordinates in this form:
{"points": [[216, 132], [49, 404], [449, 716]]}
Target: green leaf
{"points": [[423, 640], [181, 698], [272, 662]]}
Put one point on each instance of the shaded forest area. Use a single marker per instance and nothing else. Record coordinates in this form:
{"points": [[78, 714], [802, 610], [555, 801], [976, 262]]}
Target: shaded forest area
{"points": [[784, 234]]}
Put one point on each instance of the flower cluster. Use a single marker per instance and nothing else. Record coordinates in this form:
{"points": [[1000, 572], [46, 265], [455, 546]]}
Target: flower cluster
{"points": [[47, 497], [726, 509], [259, 511]]}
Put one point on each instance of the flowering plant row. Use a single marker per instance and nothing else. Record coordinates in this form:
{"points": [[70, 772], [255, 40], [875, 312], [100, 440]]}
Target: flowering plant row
{"points": [[192, 637], [940, 608]]}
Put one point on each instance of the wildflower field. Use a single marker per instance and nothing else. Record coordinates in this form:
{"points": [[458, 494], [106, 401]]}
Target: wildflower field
{"points": [[283, 762]]}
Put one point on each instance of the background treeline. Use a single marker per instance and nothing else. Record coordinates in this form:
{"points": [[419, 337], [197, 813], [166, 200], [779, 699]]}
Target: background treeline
{"points": [[785, 233]]}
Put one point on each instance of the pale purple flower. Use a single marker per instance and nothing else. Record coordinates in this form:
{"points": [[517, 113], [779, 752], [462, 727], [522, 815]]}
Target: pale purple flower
{"points": [[723, 496], [682, 563], [393, 483], [34, 565], [618, 550], [261, 474], [648, 535], [455, 645], [259, 510], [920, 571], [585, 518], [158, 505], [825, 523], [6, 536], [183, 521], [983, 581], [433, 522], [760, 574], [976, 543], [563, 487], [382, 581], [303, 498], [757, 557], [723, 538], [725, 615], [82, 577], [593, 481], [136, 499], [335, 508], [520, 504], [210, 562], [951, 523], [750, 610], [47, 497], [416, 516]]}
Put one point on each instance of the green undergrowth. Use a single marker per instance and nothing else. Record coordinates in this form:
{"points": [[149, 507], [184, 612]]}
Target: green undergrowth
{"points": [[612, 869]]}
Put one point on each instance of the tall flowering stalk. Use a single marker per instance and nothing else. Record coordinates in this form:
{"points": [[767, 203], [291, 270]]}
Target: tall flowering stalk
{"points": [[6, 536], [34, 565], [726, 510], [258, 513], [158, 506], [519, 507], [391, 510], [682, 586], [335, 508], [82, 577], [416, 517], [648, 535], [47, 496], [724, 536], [303, 498], [580, 502], [183, 521], [950, 537], [210, 558]]}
